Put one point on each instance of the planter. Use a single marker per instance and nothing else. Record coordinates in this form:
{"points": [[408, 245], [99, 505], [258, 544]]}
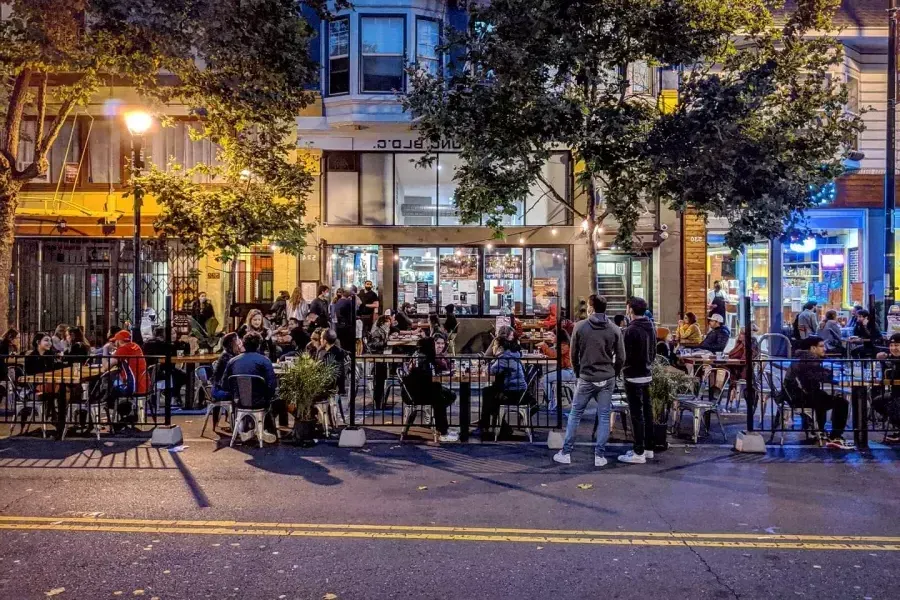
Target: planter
{"points": [[660, 438], [304, 433]]}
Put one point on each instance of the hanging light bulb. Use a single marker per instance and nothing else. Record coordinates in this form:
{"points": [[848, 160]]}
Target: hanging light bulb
{"points": [[459, 252], [522, 240], [396, 257], [584, 225], [489, 246], [553, 231]]}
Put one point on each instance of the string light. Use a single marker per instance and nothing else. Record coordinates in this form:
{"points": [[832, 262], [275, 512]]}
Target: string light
{"points": [[396, 257], [489, 246], [553, 231], [584, 225], [522, 240]]}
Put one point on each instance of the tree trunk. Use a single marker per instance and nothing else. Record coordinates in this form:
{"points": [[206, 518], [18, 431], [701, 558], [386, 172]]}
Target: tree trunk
{"points": [[591, 245], [9, 199]]}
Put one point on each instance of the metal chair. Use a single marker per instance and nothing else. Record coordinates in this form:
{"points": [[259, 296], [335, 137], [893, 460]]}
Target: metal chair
{"points": [[786, 411], [246, 389], [204, 382], [714, 383], [22, 397], [619, 407], [775, 344], [327, 412], [522, 407], [411, 410]]}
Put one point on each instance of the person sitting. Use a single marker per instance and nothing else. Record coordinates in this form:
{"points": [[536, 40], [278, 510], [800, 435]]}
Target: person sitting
{"points": [[315, 343], [76, 345], [887, 402], [9, 346], [550, 321], [688, 334], [424, 391], [42, 358], [831, 333], [332, 354], [507, 334], [220, 390], [854, 312], [451, 325], [718, 336], [434, 326], [256, 324], [552, 349], [803, 389], [109, 348], [59, 338], [299, 336], [156, 349], [404, 322], [132, 377], [377, 343], [508, 371], [442, 364], [869, 334], [252, 362]]}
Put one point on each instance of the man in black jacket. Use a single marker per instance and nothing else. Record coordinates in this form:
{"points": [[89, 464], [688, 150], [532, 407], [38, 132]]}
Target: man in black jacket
{"points": [[640, 352], [803, 386]]}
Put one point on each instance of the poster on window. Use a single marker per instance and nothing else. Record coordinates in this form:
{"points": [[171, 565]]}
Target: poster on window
{"points": [[459, 267], [546, 293], [502, 266]]}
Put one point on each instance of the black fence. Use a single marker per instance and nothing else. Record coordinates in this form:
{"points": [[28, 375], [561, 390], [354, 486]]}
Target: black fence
{"points": [[810, 397], [473, 392], [86, 394]]}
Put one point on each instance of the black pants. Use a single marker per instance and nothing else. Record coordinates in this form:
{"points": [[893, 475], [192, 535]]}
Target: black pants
{"points": [[347, 338], [276, 408], [821, 402], [638, 395], [889, 407], [381, 371], [492, 400], [441, 401]]}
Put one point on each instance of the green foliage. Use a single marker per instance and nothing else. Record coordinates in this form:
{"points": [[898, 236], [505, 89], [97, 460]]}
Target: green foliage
{"points": [[304, 382], [534, 75], [241, 67], [667, 383]]}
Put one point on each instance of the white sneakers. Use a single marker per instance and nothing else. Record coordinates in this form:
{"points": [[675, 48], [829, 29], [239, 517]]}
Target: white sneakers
{"points": [[648, 454], [451, 436], [633, 459], [566, 459], [562, 458], [269, 438]]}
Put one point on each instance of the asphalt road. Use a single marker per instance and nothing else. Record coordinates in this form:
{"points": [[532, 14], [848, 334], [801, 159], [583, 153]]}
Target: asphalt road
{"points": [[121, 520]]}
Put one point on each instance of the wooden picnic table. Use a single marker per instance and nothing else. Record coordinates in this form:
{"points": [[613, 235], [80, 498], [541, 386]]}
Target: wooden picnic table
{"points": [[70, 375]]}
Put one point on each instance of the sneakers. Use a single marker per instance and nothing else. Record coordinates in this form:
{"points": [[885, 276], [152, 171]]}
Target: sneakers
{"points": [[892, 438], [633, 459], [599, 461], [451, 436], [648, 454], [839, 444], [562, 458], [269, 438]]}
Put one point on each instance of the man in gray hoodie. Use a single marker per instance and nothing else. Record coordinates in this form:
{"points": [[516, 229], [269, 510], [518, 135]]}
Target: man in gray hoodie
{"points": [[598, 352]]}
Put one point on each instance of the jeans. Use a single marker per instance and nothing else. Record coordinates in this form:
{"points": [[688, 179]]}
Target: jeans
{"points": [[638, 395], [548, 383], [821, 402], [585, 391]]}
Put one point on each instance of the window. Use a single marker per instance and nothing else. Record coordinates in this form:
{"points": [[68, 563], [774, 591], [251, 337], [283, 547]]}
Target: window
{"points": [[342, 189], [415, 191], [383, 47], [339, 57], [503, 270], [254, 277], [541, 207], [428, 36], [376, 188], [175, 144], [640, 75], [546, 280], [352, 265], [417, 278], [447, 164], [105, 160], [64, 155], [458, 276]]}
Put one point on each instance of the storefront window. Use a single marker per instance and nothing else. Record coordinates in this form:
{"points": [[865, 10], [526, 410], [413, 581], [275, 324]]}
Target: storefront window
{"points": [[415, 191], [825, 268], [353, 265], [503, 290], [739, 275], [458, 276], [447, 211], [417, 279], [547, 278]]}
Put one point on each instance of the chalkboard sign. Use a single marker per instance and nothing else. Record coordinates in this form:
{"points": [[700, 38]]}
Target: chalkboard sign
{"points": [[181, 323]]}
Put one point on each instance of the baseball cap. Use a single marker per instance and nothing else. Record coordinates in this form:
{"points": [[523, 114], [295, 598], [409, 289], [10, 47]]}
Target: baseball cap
{"points": [[122, 336], [715, 317]]}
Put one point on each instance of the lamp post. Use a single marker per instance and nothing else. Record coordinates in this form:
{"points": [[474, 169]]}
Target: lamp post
{"points": [[890, 175], [138, 122]]}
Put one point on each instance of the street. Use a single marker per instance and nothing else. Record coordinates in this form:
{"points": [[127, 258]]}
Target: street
{"points": [[123, 519]]}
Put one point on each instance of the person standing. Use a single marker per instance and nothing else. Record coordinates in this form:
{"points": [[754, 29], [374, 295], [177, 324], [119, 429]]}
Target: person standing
{"points": [[345, 324], [717, 302], [598, 353], [297, 306], [368, 306], [319, 307], [640, 352]]}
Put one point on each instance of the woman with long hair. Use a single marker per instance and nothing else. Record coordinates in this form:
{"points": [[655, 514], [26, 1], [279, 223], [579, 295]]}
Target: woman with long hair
{"points": [[9, 343], [419, 383], [59, 338], [77, 346], [297, 306], [256, 323]]}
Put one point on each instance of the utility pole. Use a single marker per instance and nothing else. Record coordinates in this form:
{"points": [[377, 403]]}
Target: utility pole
{"points": [[890, 176]]}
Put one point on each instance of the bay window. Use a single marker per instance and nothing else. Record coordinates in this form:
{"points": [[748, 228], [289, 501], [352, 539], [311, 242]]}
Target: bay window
{"points": [[382, 49], [428, 36]]}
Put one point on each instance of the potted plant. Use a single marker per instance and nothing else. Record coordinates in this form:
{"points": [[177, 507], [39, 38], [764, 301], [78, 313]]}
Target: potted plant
{"points": [[303, 383], [667, 383]]}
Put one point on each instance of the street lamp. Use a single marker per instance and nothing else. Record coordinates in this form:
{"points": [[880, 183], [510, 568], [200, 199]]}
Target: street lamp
{"points": [[138, 122]]}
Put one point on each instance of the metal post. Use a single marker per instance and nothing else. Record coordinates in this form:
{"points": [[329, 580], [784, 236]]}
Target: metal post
{"points": [[750, 388], [559, 359], [890, 176], [137, 165], [353, 366], [168, 360]]}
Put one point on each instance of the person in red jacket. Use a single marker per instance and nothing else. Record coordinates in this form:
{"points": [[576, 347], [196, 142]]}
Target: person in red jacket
{"points": [[551, 350], [550, 321]]}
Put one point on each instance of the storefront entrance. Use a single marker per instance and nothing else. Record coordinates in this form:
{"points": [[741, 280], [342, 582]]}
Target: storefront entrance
{"points": [[620, 277], [349, 266]]}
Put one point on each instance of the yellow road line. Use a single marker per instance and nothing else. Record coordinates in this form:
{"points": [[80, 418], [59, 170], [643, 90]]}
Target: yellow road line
{"points": [[249, 526], [447, 537]]}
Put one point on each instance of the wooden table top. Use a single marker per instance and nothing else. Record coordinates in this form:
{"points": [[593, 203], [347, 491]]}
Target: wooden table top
{"points": [[196, 359], [712, 361], [71, 375]]}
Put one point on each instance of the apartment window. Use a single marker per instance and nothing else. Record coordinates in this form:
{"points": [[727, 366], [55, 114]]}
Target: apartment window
{"points": [[428, 39], [382, 49], [105, 160], [640, 74], [64, 154], [339, 57], [176, 144]]}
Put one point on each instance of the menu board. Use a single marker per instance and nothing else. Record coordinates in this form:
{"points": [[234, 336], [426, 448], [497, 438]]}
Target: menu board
{"points": [[817, 291], [502, 266], [459, 267], [422, 292], [546, 293]]}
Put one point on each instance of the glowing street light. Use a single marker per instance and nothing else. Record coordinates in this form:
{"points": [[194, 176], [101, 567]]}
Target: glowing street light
{"points": [[138, 123]]}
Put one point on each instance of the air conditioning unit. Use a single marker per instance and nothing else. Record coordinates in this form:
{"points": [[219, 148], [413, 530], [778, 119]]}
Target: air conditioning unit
{"points": [[22, 165]]}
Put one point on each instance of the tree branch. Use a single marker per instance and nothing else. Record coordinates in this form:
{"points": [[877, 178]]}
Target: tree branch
{"points": [[41, 108], [559, 198], [55, 127], [15, 111]]}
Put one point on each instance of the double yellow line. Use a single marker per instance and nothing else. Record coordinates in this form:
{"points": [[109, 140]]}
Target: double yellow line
{"points": [[454, 534]]}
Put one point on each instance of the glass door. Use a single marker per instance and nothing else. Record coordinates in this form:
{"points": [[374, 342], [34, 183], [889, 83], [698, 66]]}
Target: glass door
{"points": [[620, 277]]}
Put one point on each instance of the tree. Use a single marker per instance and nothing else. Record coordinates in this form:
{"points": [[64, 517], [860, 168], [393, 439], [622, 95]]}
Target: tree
{"points": [[530, 76], [242, 66]]}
